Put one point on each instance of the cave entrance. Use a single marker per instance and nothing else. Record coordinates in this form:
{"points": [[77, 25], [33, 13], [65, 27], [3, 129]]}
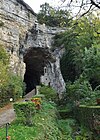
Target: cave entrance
{"points": [[35, 59]]}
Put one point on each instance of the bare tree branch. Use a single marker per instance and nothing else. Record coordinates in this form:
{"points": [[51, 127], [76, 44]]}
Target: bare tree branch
{"points": [[95, 4], [86, 11], [86, 5]]}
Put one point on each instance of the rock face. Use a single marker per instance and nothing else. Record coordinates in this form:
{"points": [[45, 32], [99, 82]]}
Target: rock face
{"points": [[29, 45]]}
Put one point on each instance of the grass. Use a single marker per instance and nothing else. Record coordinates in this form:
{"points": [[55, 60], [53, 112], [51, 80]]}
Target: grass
{"points": [[44, 128], [18, 132]]}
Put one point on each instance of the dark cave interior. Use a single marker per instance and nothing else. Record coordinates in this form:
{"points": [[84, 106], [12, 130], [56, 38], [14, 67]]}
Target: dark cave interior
{"points": [[35, 59], [31, 78]]}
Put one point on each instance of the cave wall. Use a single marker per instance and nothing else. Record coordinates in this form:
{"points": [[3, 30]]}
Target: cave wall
{"points": [[16, 19], [19, 32]]}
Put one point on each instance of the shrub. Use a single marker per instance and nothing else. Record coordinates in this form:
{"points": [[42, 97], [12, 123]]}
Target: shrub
{"points": [[15, 87], [45, 125], [89, 117], [39, 96], [82, 92], [65, 125], [78, 90], [4, 56], [4, 77], [3, 74], [25, 112], [11, 86], [49, 93]]}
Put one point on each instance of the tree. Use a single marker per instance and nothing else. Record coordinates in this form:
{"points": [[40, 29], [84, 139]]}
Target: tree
{"points": [[91, 66], [83, 6], [53, 17], [46, 9], [75, 40], [45, 13]]}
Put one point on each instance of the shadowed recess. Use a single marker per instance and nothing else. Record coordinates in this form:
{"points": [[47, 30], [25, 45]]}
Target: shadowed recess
{"points": [[35, 59]]}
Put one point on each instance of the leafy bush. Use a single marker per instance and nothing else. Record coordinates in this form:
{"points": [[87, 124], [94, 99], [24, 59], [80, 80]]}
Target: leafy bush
{"points": [[45, 123], [89, 116], [83, 134], [4, 61], [49, 92], [4, 77], [25, 112], [39, 96], [15, 87], [66, 128], [53, 17], [91, 65], [11, 86], [4, 57], [82, 92]]}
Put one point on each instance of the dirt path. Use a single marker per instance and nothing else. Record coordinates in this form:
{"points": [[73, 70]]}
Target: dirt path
{"points": [[7, 113], [7, 116]]}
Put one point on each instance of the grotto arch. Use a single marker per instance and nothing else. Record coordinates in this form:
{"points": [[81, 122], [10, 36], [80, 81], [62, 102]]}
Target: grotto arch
{"points": [[36, 59]]}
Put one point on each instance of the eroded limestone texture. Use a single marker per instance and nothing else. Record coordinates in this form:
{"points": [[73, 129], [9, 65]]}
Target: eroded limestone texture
{"points": [[28, 44]]}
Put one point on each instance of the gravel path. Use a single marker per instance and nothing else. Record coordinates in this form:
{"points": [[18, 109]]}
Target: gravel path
{"points": [[7, 113], [7, 116]]}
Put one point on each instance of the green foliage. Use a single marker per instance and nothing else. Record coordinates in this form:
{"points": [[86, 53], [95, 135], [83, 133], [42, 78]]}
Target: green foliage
{"points": [[81, 92], [25, 112], [15, 87], [11, 86], [49, 93], [89, 117], [70, 66], [39, 96], [3, 74], [18, 132], [53, 17], [4, 57], [66, 128], [44, 123], [4, 60], [84, 134], [1, 23], [91, 65], [76, 39]]}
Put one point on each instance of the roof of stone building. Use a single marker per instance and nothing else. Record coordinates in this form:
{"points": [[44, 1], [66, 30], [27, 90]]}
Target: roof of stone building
{"points": [[26, 6]]}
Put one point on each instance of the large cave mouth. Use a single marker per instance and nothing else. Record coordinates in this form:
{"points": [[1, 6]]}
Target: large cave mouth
{"points": [[35, 59]]}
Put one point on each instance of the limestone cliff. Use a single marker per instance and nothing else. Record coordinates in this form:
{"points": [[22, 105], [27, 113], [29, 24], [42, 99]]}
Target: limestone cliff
{"points": [[29, 45]]}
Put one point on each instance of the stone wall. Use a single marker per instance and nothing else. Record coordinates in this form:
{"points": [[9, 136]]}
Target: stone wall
{"points": [[20, 31]]}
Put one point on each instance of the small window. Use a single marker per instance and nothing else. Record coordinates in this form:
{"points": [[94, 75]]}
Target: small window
{"points": [[45, 70], [21, 8]]}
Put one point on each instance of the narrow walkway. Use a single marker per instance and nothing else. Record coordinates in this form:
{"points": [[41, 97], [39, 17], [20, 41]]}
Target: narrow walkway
{"points": [[7, 114]]}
